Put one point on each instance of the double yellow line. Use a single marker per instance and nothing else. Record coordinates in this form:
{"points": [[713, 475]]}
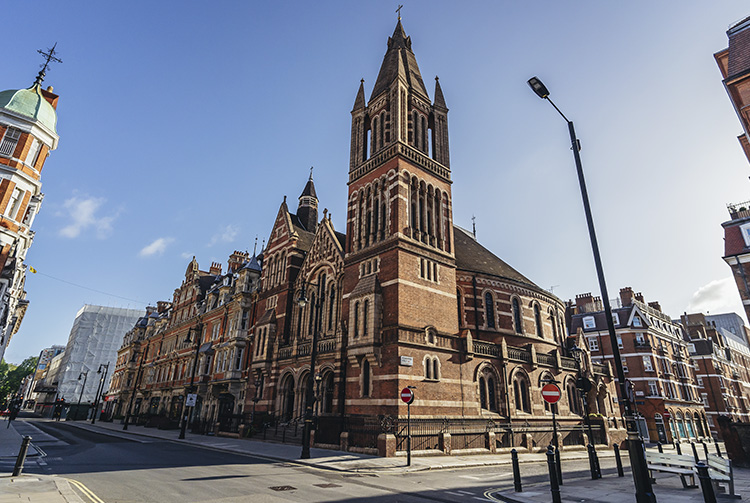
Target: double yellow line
{"points": [[86, 491]]}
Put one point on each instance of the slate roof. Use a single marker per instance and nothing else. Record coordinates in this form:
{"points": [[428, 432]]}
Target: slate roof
{"points": [[305, 237], [473, 257], [309, 189], [600, 320], [342, 239], [399, 61]]}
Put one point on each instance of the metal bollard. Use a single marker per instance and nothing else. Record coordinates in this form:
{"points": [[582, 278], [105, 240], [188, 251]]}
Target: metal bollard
{"points": [[695, 451], [559, 466], [705, 449], [554, 487], [618, 460], [661, 449], [594, 463], [706, 485], [516, 471], [21, 456], [679, 449], [718, 449]]}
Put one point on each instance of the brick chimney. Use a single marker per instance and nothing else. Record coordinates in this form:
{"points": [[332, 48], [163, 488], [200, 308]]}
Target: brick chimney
{"points": [[655, 305], [626, 295], [162, 306], [583, 300], [215, 269], [639, 297], [236, 260]]}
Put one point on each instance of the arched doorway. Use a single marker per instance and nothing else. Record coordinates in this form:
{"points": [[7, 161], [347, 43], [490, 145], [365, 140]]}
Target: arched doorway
{"points": [[287, 398]]}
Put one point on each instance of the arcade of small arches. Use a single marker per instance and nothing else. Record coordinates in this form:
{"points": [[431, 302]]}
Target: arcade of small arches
{"points": [[291, 395]]}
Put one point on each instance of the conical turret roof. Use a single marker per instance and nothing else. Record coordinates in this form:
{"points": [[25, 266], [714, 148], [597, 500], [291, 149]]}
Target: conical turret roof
{"points": [[399, 61], [439, 98]]}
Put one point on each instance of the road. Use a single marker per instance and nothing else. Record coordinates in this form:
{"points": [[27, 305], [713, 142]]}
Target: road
{"points": [[134, 469]]}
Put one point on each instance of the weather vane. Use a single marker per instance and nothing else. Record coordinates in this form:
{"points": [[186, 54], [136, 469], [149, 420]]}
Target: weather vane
{"points": [[399, 11], [49, 57]]}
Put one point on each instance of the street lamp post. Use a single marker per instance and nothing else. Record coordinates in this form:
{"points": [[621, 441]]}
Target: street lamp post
{"points": [[186, 411], [584, 386], [309, 397], [80, 395], [100, 388], [643, 490], [135, 386]]}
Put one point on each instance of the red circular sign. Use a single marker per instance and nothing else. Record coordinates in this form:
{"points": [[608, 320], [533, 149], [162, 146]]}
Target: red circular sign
{"points": [[667, 415], [551, 393], [407, 395]]}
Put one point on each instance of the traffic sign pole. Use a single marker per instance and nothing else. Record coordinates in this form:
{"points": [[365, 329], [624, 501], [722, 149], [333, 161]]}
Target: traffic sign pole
{"points": [[551, 394], [407, 395]]}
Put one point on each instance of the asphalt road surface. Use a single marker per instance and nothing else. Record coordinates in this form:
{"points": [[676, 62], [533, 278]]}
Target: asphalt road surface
{"points": [[132, 469]]}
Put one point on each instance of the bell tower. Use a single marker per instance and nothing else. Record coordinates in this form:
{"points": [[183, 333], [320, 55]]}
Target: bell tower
{"points": [[399, 263]]}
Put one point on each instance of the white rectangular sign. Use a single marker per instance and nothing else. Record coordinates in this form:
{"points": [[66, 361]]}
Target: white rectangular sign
{"points": [[407, 361], [191, 399]]}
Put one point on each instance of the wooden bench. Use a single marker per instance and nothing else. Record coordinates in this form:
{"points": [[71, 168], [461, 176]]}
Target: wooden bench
{"points": [[672, 463], [720, 470]]}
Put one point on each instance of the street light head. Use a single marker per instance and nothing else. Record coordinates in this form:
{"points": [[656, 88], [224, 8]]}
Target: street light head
{"points": [[539, 88]]}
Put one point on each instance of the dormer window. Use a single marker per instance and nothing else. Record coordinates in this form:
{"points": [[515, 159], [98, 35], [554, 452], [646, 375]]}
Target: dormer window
{"points": [[588, 322], [744, 228], [637, 321]]}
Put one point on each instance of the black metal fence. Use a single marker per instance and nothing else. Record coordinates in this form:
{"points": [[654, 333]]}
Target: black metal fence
{"points": [[464, 433]]}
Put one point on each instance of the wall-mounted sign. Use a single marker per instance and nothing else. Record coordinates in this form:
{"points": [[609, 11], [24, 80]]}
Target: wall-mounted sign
{"points": [[407, 361]]}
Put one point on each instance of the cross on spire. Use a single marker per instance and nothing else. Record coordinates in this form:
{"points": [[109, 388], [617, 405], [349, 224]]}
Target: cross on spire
{"points": [[474, 226], [311, 170], [399, 11], [49, 57]]}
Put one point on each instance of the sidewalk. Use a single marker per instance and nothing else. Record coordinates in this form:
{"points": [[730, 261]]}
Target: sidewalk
{"points": [[611, 489]]}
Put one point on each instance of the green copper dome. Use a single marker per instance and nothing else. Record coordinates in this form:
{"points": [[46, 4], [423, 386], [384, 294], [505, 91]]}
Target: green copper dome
{"points": [[30, 103]]}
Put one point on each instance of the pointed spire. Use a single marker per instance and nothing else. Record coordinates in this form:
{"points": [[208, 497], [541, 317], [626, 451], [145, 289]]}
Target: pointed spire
{"points": [[359, 101], [439, 98], [307, 210], [309, 187], [399, 61]]}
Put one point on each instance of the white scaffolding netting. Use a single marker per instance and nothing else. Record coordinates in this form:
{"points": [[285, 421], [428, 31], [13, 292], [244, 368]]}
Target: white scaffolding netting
{"points": [[96, 336]]}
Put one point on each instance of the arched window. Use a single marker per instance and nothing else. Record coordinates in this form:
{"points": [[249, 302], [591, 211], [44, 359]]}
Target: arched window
{"points": [[517, 325], [365, 313], [436, 369], [366, 378], [573, 402], [487, 382], [331, 303], [553, 322], [328, 393], [489, 309], [356, 319], [521, 392], [482, 393], [538, 321], [458, 304], [428, 368]]}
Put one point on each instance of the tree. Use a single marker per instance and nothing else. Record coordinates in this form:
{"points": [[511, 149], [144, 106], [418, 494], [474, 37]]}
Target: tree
{"points": [[11, 376]]}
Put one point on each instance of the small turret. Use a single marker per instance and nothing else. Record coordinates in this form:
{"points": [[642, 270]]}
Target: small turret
{"points": [[307, 210]]}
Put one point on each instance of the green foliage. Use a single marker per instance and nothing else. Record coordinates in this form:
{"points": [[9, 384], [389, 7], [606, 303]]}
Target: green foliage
{"points": [[11, 376]]}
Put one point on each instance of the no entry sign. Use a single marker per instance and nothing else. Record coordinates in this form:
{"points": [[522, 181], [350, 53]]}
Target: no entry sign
{"points": [[551, 393], [407, 395]]}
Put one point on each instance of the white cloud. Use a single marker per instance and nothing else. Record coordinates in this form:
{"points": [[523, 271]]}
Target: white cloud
{"points": [[157, 247], [82, 213], [225, 235], [187, 255], [717, 297]]}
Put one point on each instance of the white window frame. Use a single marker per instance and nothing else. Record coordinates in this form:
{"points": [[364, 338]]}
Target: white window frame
{"points": [[615, 318], [653, 388], [593, 344], [619, 341], [745, 229], [10, 141], [648, 365], [637, 321], [589, 322]]}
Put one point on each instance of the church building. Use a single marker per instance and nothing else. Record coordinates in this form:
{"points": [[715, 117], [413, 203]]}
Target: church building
{"points": [[406, 298]]}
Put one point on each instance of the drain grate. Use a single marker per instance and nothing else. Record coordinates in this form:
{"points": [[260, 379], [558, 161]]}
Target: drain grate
{"points": [[283, 488], [326, 486]]}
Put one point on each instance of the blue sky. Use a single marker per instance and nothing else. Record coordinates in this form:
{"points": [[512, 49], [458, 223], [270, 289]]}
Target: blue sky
{"points": [[183, 124]]}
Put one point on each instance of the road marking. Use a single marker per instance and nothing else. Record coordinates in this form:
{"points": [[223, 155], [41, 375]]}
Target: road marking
{"points": [[453, 494], [86, 491], [493, 477], [488, 494], [466, 492]]}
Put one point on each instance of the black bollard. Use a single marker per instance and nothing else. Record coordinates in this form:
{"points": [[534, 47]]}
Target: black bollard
{"points": [[554, 487], [21, 456], [695, 451], [705, 449], [516, 471], [706, 485], [620, 473], [596, 472], [661, 449], [559, 466], [679, 449], [718, 449]]}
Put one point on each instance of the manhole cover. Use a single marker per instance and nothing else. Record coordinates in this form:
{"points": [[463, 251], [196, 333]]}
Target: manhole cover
{"points": [[283, 488], [326, 486]]}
